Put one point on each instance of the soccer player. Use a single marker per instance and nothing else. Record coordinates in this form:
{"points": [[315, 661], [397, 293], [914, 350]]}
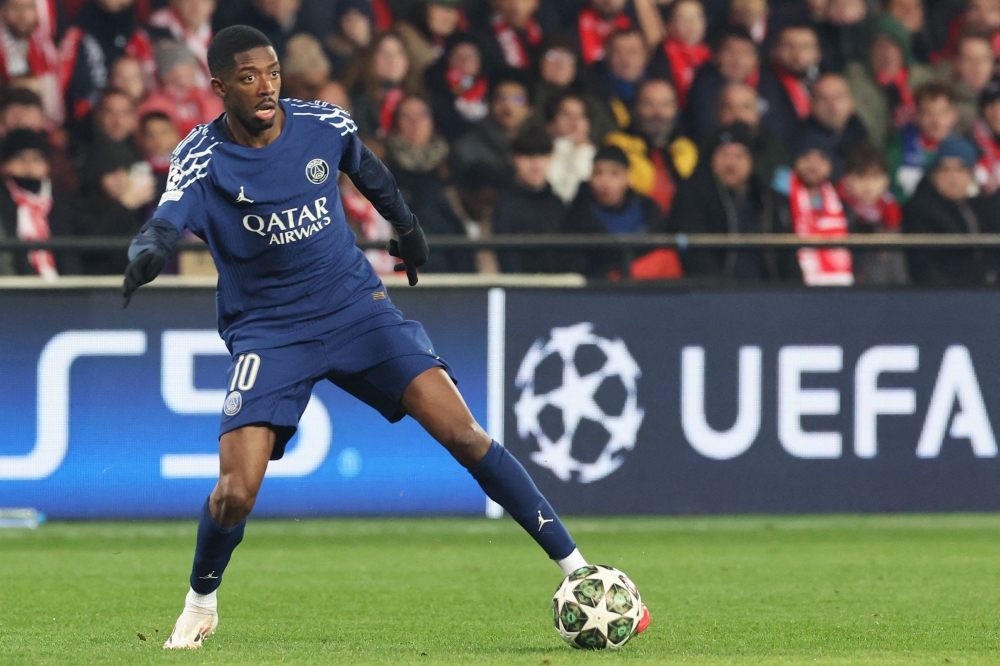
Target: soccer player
{"points": [[298, 302]]}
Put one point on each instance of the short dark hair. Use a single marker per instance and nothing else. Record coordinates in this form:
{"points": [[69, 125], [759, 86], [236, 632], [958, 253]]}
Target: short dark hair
{"points": [[154, 115], [553, 105], [22, 97], [734, 32], [532, 141], [932, 90], [864, 158], [230, 41]]}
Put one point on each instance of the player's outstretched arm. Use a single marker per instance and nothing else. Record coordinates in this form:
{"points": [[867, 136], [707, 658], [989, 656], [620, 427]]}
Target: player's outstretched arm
{"points": [[377, 184], [148, 254]]}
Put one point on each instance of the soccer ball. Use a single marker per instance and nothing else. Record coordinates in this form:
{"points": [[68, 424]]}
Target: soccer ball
{"points": [[596, 608]]}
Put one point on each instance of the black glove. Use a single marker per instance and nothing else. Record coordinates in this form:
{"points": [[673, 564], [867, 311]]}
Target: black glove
{"points": [[412, 250], [142, 270]]}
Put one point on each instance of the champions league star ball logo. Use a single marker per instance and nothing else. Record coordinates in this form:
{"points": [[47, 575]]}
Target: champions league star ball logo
{"points": [[579, 402], [317, 171]]}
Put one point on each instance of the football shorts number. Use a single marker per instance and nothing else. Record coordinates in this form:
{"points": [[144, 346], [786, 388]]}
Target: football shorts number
{"points": [[245, 372]]}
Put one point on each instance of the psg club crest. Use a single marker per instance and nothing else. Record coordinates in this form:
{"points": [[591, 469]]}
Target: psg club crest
{"points": [[317, 171], [233, 403]]}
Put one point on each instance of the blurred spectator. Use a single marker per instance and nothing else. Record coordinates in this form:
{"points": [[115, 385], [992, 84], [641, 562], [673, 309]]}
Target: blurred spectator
{"points": [[157, 138], [379, 78], [833, 121], [622, 72], [190, 23], [910, 14], [573, 152], [529, 206], [126, 75], [117, 189], [600, 18], [942, 205], [608, 205], [725, 197], [735, 62], [986, 134], [512, 36], [30, 210], [684, 50], [355, 34], [305, 68], [785, 85], [426, 34], [179, 95], [808, 205], [105, 30], [417, 157], [481, 158], [659, 155], [846, 34], [981, 16], [22, 109], [366, 222], [274, 18], [909, 150], [883, 85], [114, 119], [864, 191], [750, 15], [26, 51], [334, 93], [968, 74], [459, 89], [739, 103], [558, 75]]}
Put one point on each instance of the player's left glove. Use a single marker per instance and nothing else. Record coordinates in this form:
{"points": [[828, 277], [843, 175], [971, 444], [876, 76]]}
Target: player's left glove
{"points": [[141, 270], [148, 255], [412, 250]]}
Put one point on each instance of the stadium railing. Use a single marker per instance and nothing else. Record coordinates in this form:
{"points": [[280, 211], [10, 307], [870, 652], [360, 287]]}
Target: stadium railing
{"points": [[680, 242]]}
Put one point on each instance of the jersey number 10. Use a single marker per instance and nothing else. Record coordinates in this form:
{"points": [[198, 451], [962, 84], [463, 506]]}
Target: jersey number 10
{"points": [[245, 372]]}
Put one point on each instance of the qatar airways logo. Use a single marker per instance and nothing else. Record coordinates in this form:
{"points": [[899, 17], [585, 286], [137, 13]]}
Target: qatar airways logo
{"points": [[290, 225]]}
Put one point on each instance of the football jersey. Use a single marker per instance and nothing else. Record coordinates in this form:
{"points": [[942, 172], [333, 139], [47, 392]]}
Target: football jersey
{"points": [[288, 265]]}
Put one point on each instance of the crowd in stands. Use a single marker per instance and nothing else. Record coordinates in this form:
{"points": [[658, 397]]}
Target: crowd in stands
{"points": [[806, 117]]}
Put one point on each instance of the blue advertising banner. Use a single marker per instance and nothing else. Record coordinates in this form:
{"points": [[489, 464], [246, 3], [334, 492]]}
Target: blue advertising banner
{"points": [[106, 413], [628, 402]]}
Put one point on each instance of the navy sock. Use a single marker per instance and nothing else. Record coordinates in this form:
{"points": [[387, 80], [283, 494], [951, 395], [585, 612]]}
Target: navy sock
{"points": [[507, 483], [211, 556]]}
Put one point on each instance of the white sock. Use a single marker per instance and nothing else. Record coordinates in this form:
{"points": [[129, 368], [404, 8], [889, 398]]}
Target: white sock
{"points": [[203, 602], [571, 562]]}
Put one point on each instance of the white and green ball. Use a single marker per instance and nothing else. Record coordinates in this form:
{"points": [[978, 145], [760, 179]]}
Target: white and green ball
{"points": [[597, 608]]}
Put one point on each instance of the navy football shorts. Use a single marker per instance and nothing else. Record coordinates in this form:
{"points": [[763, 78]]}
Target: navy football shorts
{"points": [[374, 361]]}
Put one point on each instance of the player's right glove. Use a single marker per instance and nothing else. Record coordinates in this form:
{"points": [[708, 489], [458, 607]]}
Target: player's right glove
{"points": [[412, 250], [148, 255]]}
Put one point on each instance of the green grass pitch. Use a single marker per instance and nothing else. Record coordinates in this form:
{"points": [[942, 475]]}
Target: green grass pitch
{"points": [[827, 590]]}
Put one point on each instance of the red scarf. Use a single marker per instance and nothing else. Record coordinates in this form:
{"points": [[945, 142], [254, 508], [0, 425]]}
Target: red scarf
{"points": [[820, 267], [796, 90], [515, 53], [594, 30], [33, 224], [664, 186], [901, 79], [197, 40], [753, 80], [41, 56], [459, 85], [383, 15], [392, 99], [684, 59], [988, 167], [884, 213]]}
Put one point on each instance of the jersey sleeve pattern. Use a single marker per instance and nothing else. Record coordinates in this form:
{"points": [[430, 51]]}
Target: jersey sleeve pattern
{"points": [[188, 165]]}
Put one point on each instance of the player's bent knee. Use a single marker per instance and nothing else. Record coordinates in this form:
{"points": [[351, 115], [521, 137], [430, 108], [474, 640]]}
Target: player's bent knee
{"points": [[468, 444], [232, 503]]}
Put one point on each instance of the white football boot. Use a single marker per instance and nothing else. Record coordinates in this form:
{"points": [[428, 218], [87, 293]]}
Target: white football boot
{"points": [[193, 626]]}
